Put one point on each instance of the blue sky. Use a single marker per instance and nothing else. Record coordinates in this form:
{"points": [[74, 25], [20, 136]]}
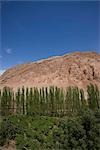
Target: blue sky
{"points": [[35, 30]]}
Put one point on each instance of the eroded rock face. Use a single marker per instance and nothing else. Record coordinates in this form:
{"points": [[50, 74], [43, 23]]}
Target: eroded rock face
{"points": [[73, 69]]}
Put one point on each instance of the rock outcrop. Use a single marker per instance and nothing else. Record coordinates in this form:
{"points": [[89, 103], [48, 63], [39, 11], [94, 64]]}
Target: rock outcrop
{"points": [[75, 69]]}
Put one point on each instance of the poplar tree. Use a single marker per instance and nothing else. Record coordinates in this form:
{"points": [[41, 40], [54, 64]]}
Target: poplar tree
{"points": [[43, 100], [76, 99], [13, 103], [51, 98], [93, 96], [4, 102], [31, 104], [97, 96], [0, 101], [40, 100], [69, 99], [27, 101], [23, 100], [9, 101], [57, 100], [46, 101], [61, 102], [18, 101], [82, 99], [36, 101]]}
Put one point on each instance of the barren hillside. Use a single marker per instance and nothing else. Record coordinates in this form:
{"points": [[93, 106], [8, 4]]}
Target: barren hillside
{"points": [[73, 69]]}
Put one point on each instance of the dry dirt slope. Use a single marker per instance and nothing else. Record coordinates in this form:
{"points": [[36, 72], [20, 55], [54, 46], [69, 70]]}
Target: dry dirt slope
{"points": [[78, 68]]}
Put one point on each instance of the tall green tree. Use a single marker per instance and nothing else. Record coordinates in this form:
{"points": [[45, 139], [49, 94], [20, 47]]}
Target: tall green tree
{"points": [[13, 103], [93, 96], [57, 100], [46, 100], [4, 102], [10, 101], [69, 99], [23, 100], [36, 101], [0, 101], [18, 101], [97, 97], [27, 101], [82, 99], [31, 102], [75, 99], [43, 101], [52, 100], [61, 102]]}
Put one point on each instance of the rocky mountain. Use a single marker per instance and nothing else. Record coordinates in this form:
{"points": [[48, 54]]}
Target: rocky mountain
{"points": [[75, 69]]}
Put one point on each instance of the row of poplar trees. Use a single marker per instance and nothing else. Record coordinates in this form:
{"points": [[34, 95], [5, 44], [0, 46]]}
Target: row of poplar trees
{"points": [[48, 101]]}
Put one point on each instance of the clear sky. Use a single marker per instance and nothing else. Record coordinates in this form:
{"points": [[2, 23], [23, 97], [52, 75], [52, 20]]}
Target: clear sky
{"points": [[35, 30]]}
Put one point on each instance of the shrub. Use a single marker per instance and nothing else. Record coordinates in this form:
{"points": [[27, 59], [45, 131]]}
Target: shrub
{"points": [[91, 127], [78, 133], [8, 131]]}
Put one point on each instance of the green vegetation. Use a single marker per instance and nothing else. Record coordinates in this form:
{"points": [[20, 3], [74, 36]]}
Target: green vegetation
{"points": [[80, 131], [51, 101], [51, 118]]}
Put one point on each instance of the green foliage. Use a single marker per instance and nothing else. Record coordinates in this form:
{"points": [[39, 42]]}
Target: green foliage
{"points": [[80, 133], [69, 99], [40, 132], [93, 96], [18, 102], [52, 98], [82, 99], [27, 101], [31, 118], [52, 101], [36, 101], [76, 99], [23, 100], [29, 132], [6, 100], [89, 122], [31, 104], [8, 131], [70, 134]]}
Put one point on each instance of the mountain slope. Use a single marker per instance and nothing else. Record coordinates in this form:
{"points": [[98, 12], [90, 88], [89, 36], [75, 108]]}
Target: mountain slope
{"points": [[80, 68]]}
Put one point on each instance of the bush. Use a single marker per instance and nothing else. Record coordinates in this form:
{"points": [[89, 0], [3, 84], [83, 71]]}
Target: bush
{"points": [[70, 134], [78, 133], [92, 130], [8, 131]]}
